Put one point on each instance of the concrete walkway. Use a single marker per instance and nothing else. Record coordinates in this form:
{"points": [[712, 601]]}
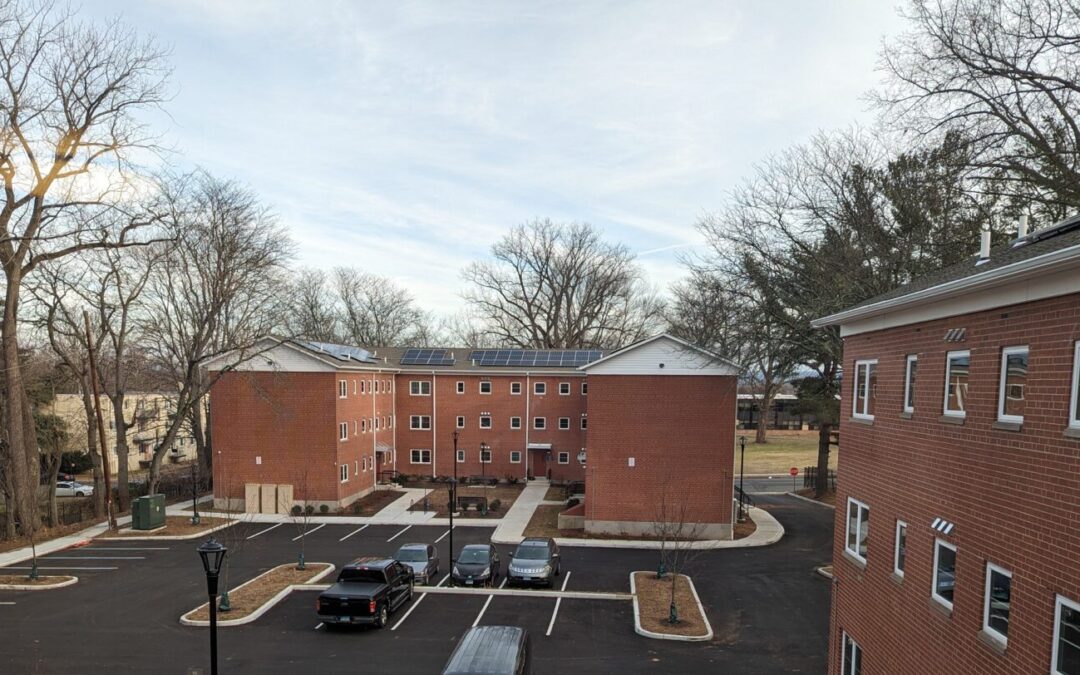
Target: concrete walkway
{"points": [[512, 528]]}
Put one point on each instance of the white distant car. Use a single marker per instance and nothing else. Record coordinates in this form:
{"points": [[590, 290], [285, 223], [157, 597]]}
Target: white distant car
{"points": [[73, 488]]}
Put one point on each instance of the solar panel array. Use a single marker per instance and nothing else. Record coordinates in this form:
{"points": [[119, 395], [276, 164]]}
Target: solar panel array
{"points": [[538, 358], [340, 352], [427, 357]]}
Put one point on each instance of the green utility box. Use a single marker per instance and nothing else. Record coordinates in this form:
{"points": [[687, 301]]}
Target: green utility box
{"points": [[148, 513]]}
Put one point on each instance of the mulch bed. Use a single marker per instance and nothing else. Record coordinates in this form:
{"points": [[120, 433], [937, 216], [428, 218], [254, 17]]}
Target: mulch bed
{"points": [[43, 535], [654, 600], [439, 499], [370, 504], [545, 523], [555, 493], [175, 526], [745, 528], [254, 595], [24, 580], [829, 497]]}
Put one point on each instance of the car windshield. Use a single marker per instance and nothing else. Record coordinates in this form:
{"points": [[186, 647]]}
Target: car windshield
{"points": [[473, 555], [362, 575], [531, 553], [412, 555]]}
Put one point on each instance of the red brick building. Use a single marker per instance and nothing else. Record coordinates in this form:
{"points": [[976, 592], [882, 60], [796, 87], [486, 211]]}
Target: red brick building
{"points": [[961, 437]]}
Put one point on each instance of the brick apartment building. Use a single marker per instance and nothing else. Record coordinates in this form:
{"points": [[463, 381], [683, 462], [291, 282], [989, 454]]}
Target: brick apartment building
{"points": [[295, 421], [961, 436]]}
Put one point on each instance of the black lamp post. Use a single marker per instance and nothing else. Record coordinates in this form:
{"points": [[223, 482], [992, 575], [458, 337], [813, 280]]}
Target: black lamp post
{"points": [[212, 554], [453, 507], [742, 463]]}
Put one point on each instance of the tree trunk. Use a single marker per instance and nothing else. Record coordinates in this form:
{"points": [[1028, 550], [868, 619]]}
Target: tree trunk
{"points": [[824, 432], [24, 464], [201, 448], [759, 437], [92, 449], [123, 496], [53, 461]]}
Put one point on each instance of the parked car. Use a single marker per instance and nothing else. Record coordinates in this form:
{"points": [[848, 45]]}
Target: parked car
{"points": [[476, 565], [73, 488], [491, 650], [535, 561], [422, 559], [367, 591]]}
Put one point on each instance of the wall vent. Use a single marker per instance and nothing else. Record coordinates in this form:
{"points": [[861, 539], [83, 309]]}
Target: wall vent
{"points": [[955, 334]]}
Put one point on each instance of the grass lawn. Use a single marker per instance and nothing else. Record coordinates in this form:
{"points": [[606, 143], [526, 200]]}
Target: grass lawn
{"points": [[783, 450]]}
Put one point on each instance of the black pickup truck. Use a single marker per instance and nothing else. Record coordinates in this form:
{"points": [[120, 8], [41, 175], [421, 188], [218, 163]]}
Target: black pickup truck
{"points": [[366, 592]]}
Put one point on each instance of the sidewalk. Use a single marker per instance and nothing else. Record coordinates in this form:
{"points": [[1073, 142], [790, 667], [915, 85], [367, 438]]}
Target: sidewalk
{"points": [[511, 529]]}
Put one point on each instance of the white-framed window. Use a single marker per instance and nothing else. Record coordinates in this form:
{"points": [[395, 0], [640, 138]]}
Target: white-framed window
{"points": [[1074, 406], [944, 572], [363, 386], [365, 464], [354, 387], [389, 421], [852, 657], [564, 458], [584, 421], [354, 427], [564, 389], [539, 388], [376, 423], [485, 387], [863, 396], [1012, 387], [485, 456], [584, 388], [460, 387], [343, 388], [515, 457], [343, 431], [996, 599], [460, 456], [564, 423], [419, 421], [419, 388], [356, 468], [909, 382], [377, 386], [343, 473], [858, 528], [515, 422], [420, 457], [1066, 656], [363, 425], [515, 388], [957, 373], [460, 421], [389, 386], [485, 421], [539, 423], [900, 548]]}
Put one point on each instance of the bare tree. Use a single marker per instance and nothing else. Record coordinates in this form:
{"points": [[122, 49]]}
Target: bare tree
{"points": [[374, 311], [554, 285], [69, 93], [299, 514], [677, 529], [313, 311]]}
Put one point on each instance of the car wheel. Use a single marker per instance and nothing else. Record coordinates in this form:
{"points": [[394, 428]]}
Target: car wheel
{"points": [[410, 592], [383, 617], [79, 494]]}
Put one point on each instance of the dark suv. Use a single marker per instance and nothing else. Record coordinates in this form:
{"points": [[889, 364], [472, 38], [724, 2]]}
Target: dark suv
{"points": [[536, 561]]}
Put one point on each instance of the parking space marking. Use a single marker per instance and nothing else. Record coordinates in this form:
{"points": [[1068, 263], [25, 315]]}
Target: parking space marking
{"points": [[60, 568], [354, 532], [407, 528], [406, 614], [265, 531], [443, 580], [319, 626], [442, 536], [314, 529], [558, 601], [7, 603], [131, 548], [482, 610], [96, 557]]}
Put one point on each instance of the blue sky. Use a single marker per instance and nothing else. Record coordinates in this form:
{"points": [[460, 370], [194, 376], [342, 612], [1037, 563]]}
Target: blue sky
{"points": [[404, 138]]}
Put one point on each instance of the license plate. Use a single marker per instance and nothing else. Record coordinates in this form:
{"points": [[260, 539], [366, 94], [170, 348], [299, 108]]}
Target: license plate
{"points": [[468, 582], [345, 619]]}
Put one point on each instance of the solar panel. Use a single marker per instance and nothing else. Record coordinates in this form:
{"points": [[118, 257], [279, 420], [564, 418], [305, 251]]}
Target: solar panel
{"points": [[340, 352], [538, 358], [427, 357]]}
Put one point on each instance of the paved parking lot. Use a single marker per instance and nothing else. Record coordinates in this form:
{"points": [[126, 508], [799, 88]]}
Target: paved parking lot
{"points": [[768, 609]]}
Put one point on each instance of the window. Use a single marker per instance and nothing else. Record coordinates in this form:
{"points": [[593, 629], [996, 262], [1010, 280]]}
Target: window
{"points": [[460, 387], [584, 388], [343, 388], [343, 472], [420, 457], [852, 657], [515, 388], [564, 458], [460, 421], [539, 388], [900, 554], [564, 389], [365, 464], [996, 602], [485, 421], [909, 383], [354, 427], [485, 455], [343, 431], [419, 388], [363, 425], [957, 368], [1013, 384], [377, 386], [515, 422], [865, 385], [539, 423], [363, 386], [419, 422], [1074, 415], [1066, 658], [376, 422], [354, 387], [564, 422], [515, 457], [356, 468], [485, 387], [858, 528], [584, 422], [460, 456], [944, 572]]}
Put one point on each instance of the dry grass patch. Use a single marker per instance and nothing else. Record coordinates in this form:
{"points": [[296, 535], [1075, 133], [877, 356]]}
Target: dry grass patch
{"points": [[25, 580], [253, 595], [175, 526], [654, 600], [828, 498], [783, 450], [439, 499], [370, 504], [555, 493], [545, 523]]}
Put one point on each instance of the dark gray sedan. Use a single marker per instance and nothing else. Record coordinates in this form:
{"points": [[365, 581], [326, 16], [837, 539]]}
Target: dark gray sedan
{"points": [[422, 559]]}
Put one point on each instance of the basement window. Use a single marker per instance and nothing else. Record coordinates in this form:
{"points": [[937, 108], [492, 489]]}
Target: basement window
{"points": [[957, 371], [1012, 387]]}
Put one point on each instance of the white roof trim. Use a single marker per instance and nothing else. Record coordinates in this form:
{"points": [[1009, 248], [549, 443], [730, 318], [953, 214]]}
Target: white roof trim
{"points": [[235, 357], [683, 343]]}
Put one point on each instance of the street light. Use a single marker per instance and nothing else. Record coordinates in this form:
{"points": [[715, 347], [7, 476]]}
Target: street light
{"points": [[453, 507], [742, 463], [212, 554]]}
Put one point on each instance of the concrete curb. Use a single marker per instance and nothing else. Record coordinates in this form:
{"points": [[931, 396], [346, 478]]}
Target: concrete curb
{"points": [[38, 587], [273, 518], [266, 606], [166, 537], [812, 501], [825, 571], [664, 636]]}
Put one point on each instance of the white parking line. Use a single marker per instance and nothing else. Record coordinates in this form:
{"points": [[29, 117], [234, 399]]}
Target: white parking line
{"points": [[319, 626], [7, 603], [406, 614], [265, 531], [482, 610], [314, 529], [407, 528], [558, 601], [443, 580], [132, 548], [442, 536], [355, 531], [96, 557], [61, 568]]}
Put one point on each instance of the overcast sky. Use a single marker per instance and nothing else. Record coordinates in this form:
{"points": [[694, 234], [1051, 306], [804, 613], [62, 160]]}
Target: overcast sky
{"points": [[403, 138]]}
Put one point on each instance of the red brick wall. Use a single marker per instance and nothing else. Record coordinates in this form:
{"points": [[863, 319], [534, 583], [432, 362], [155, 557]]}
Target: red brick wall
{"points": [[1014, 495], [680, 430], [368, 411]]}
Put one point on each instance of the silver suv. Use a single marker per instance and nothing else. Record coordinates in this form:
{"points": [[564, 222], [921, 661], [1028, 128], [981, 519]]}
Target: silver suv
{"points": [[535, 562]]}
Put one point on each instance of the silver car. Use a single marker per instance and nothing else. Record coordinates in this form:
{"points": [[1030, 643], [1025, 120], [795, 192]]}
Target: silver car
{"points": [[73, 488], [422, 559]]}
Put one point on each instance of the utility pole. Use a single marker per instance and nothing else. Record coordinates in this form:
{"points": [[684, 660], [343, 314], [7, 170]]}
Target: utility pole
{"points": [[100, 424]]}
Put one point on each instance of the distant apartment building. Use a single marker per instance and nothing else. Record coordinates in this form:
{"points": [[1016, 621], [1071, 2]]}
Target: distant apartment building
{"points": [[958, 501]]}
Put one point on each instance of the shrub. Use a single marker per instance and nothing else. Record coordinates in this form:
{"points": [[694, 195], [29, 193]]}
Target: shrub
{"points": [[76, 462], [495, 504], [324, 509], [357, 508], [309, 509], [296, 510]]}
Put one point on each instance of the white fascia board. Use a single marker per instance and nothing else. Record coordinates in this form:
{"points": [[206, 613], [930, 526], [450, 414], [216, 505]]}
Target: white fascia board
{"points": [[677, 357]]}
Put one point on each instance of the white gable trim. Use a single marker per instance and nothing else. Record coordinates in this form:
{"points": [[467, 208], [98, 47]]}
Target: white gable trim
{"points": [[662, 355], [281, 355]]}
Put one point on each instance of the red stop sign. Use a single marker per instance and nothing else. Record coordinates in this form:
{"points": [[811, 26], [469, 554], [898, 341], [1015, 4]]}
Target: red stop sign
{"points": [[794, 471]]}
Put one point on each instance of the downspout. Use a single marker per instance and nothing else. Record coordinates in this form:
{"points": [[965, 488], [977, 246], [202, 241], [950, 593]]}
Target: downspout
{"points": [[393, 415], [527, 422], [434, 424], [374, 440]]}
